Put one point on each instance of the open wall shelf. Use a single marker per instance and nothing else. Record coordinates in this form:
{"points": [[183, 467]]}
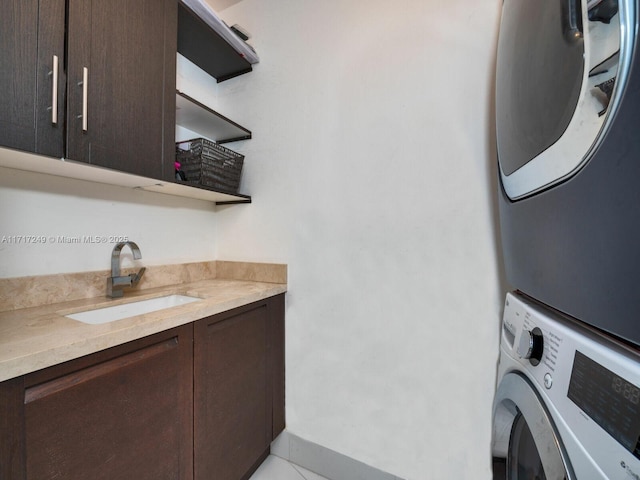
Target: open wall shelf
{"points": [[206, 122], [204, 47]]}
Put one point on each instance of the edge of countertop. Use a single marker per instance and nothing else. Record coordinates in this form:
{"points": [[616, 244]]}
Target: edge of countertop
{"points": [[40, 336]]}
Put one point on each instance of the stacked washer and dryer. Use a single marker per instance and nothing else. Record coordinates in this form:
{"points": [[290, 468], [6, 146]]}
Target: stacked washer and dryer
{"points": [[567, 404]]}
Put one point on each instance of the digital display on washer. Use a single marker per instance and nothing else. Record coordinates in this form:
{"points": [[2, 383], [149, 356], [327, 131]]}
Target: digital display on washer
{"points": [[610, 400]]}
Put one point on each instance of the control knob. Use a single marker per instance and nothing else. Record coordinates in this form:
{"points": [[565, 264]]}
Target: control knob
{"points": [[531, 345]]}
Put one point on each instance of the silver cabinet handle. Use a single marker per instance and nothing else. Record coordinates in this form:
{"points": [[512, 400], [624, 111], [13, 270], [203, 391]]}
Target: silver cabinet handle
{"points": [[54, 91], [85, 93]]}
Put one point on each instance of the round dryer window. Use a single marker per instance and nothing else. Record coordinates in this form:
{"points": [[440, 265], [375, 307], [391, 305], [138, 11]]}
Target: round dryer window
{"points": [[561, 70]]}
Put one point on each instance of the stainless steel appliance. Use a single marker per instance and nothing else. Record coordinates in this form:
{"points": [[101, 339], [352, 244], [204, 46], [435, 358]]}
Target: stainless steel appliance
{"points": [[568, 140], [568, 399]]}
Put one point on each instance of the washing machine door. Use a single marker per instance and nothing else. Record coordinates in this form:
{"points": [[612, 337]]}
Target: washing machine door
{"points": [[524, 433]]}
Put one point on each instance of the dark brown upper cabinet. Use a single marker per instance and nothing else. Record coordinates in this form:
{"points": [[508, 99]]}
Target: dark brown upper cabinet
{"points": [[95, 82], [114, 86], [32, 75], [121, 81]]}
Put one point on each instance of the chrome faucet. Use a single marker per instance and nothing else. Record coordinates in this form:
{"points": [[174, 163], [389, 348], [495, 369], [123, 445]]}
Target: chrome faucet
{"points": [[116, 282]]}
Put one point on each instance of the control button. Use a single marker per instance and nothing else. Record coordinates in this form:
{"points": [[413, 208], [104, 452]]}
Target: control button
{"points": [[548, 380], [531, 345]]}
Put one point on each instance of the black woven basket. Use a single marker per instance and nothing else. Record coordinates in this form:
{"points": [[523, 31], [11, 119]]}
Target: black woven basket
{"points": [[209, 164]]}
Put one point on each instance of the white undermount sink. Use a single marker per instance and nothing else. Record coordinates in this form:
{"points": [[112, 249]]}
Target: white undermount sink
{"points": [[126, 310]]}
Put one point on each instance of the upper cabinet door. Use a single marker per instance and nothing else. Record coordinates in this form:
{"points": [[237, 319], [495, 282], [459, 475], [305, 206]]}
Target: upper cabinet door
{"points": [[121, 74], [32, 77]]}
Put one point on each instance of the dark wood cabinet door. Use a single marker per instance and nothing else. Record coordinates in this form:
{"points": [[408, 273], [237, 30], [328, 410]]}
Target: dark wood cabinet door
{"points": [[232, 393], [125, 413], [32, 33], [200, 401], [12, 429], [277, 367], [121, 73]]}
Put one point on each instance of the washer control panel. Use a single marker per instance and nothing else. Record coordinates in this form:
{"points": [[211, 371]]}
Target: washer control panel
{"points": [[589, 382]]}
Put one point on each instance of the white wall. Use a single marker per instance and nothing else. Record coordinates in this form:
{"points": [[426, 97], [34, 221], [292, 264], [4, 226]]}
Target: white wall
{"points": [[371, 170], [167, 229], [372, 173]]}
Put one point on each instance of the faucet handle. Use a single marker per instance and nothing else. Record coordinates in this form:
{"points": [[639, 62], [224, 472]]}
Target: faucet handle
{"points": [[135, 278]]}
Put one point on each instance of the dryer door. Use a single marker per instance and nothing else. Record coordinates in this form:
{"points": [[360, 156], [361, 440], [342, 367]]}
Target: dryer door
{"points": [[560, 64], [524, 433]]}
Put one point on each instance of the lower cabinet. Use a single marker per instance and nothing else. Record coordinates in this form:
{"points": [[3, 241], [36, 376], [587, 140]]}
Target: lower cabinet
{"points": [[121, 413], [234, 365], [199, 401]]}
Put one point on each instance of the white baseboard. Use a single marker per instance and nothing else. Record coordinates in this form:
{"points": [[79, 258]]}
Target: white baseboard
{"points": [[323, 461]]}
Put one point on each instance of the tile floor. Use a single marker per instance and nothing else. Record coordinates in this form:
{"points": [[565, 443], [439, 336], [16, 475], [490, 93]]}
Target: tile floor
{"points": [[275, 468]]}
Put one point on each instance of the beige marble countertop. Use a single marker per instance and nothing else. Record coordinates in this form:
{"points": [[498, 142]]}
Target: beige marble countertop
{"points": [[41, 336]]}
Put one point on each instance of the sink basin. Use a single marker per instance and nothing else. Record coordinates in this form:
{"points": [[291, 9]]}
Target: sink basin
{"points": [[126, 310]]}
